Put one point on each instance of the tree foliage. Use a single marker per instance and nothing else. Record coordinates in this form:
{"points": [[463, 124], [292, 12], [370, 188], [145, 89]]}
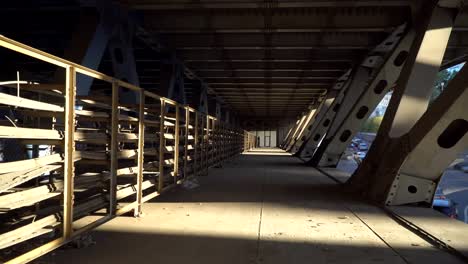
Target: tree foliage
{"points": [[372, 124]]}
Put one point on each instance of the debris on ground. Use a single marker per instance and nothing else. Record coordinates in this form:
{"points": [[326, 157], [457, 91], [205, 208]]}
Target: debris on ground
{"points": [[191, 184], [82, 241]]}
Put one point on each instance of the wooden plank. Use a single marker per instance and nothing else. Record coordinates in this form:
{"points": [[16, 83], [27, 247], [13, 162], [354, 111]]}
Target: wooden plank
{"points": [[29, 197], [35, 87], [133, 153], [29, 133], [149, 166], [103, 138], [169, 136], [29, 231], [94, 103], [33, 195], [12, 179], [16, 101], [24, 165], [129, 189]]}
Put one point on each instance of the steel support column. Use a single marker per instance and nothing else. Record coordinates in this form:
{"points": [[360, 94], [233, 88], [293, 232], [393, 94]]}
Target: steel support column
{"points": [[295, 130], [307, 121], [376, 75], [299, 148], [290, 134], [322, 127], [392, 171]]}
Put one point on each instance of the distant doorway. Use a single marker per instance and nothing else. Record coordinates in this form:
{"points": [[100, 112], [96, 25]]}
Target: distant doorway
{"points": [[266, 138]]}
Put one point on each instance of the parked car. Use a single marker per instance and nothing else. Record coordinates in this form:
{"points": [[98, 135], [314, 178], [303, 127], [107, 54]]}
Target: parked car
{"points": [[363, 146], [462, 166], [444, 205], [361, 154]]}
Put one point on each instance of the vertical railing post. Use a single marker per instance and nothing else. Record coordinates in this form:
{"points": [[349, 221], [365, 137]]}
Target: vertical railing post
{"points": [[114, 148], [162, 148], [196, 143], [202, 144], [207, 145], [186, 139], [141, 149], [69, 148], [176, 143]]}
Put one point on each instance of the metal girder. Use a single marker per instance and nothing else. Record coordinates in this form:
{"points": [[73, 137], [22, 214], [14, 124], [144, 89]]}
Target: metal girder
{"points": [[123, 61], [320, 127], [320, 113], [439, 147], [177, 88], [172, 83], [354, 86], [182, 5], [203, 100], [289, 135], [411, 150], [376, 75], [300, 129], [88, 44], [295, 130]]}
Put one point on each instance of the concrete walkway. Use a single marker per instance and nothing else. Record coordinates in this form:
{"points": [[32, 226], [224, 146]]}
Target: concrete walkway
{"points": [[261, 207]]}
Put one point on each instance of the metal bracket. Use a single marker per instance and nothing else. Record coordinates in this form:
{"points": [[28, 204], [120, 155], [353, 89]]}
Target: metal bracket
{"points": [[409, 189]]}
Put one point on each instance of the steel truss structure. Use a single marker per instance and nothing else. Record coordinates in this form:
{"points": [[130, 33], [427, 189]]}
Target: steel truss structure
{"points": [[415, 143]]}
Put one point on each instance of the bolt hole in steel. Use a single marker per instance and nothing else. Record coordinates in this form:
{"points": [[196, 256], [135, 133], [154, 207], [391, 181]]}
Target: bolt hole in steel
{"points": [[118, 55], [326, 123], [335, 108], [401, 58], [345, 135], [453, 133], [378, 89], [317, 137], [362, 112], [412, 189]]}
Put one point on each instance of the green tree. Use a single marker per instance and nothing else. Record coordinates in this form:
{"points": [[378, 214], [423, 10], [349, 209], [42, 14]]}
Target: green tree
{"points": [[372, 124]]}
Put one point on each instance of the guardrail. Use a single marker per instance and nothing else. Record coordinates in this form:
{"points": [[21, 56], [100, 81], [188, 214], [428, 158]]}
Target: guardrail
{"points": [[120, 156]]}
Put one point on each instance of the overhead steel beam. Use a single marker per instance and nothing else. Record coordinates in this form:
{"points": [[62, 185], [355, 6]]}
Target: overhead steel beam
{"points": [[273, 47], [272, 70], [184, 5], [273, 60], [399, 175]]}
